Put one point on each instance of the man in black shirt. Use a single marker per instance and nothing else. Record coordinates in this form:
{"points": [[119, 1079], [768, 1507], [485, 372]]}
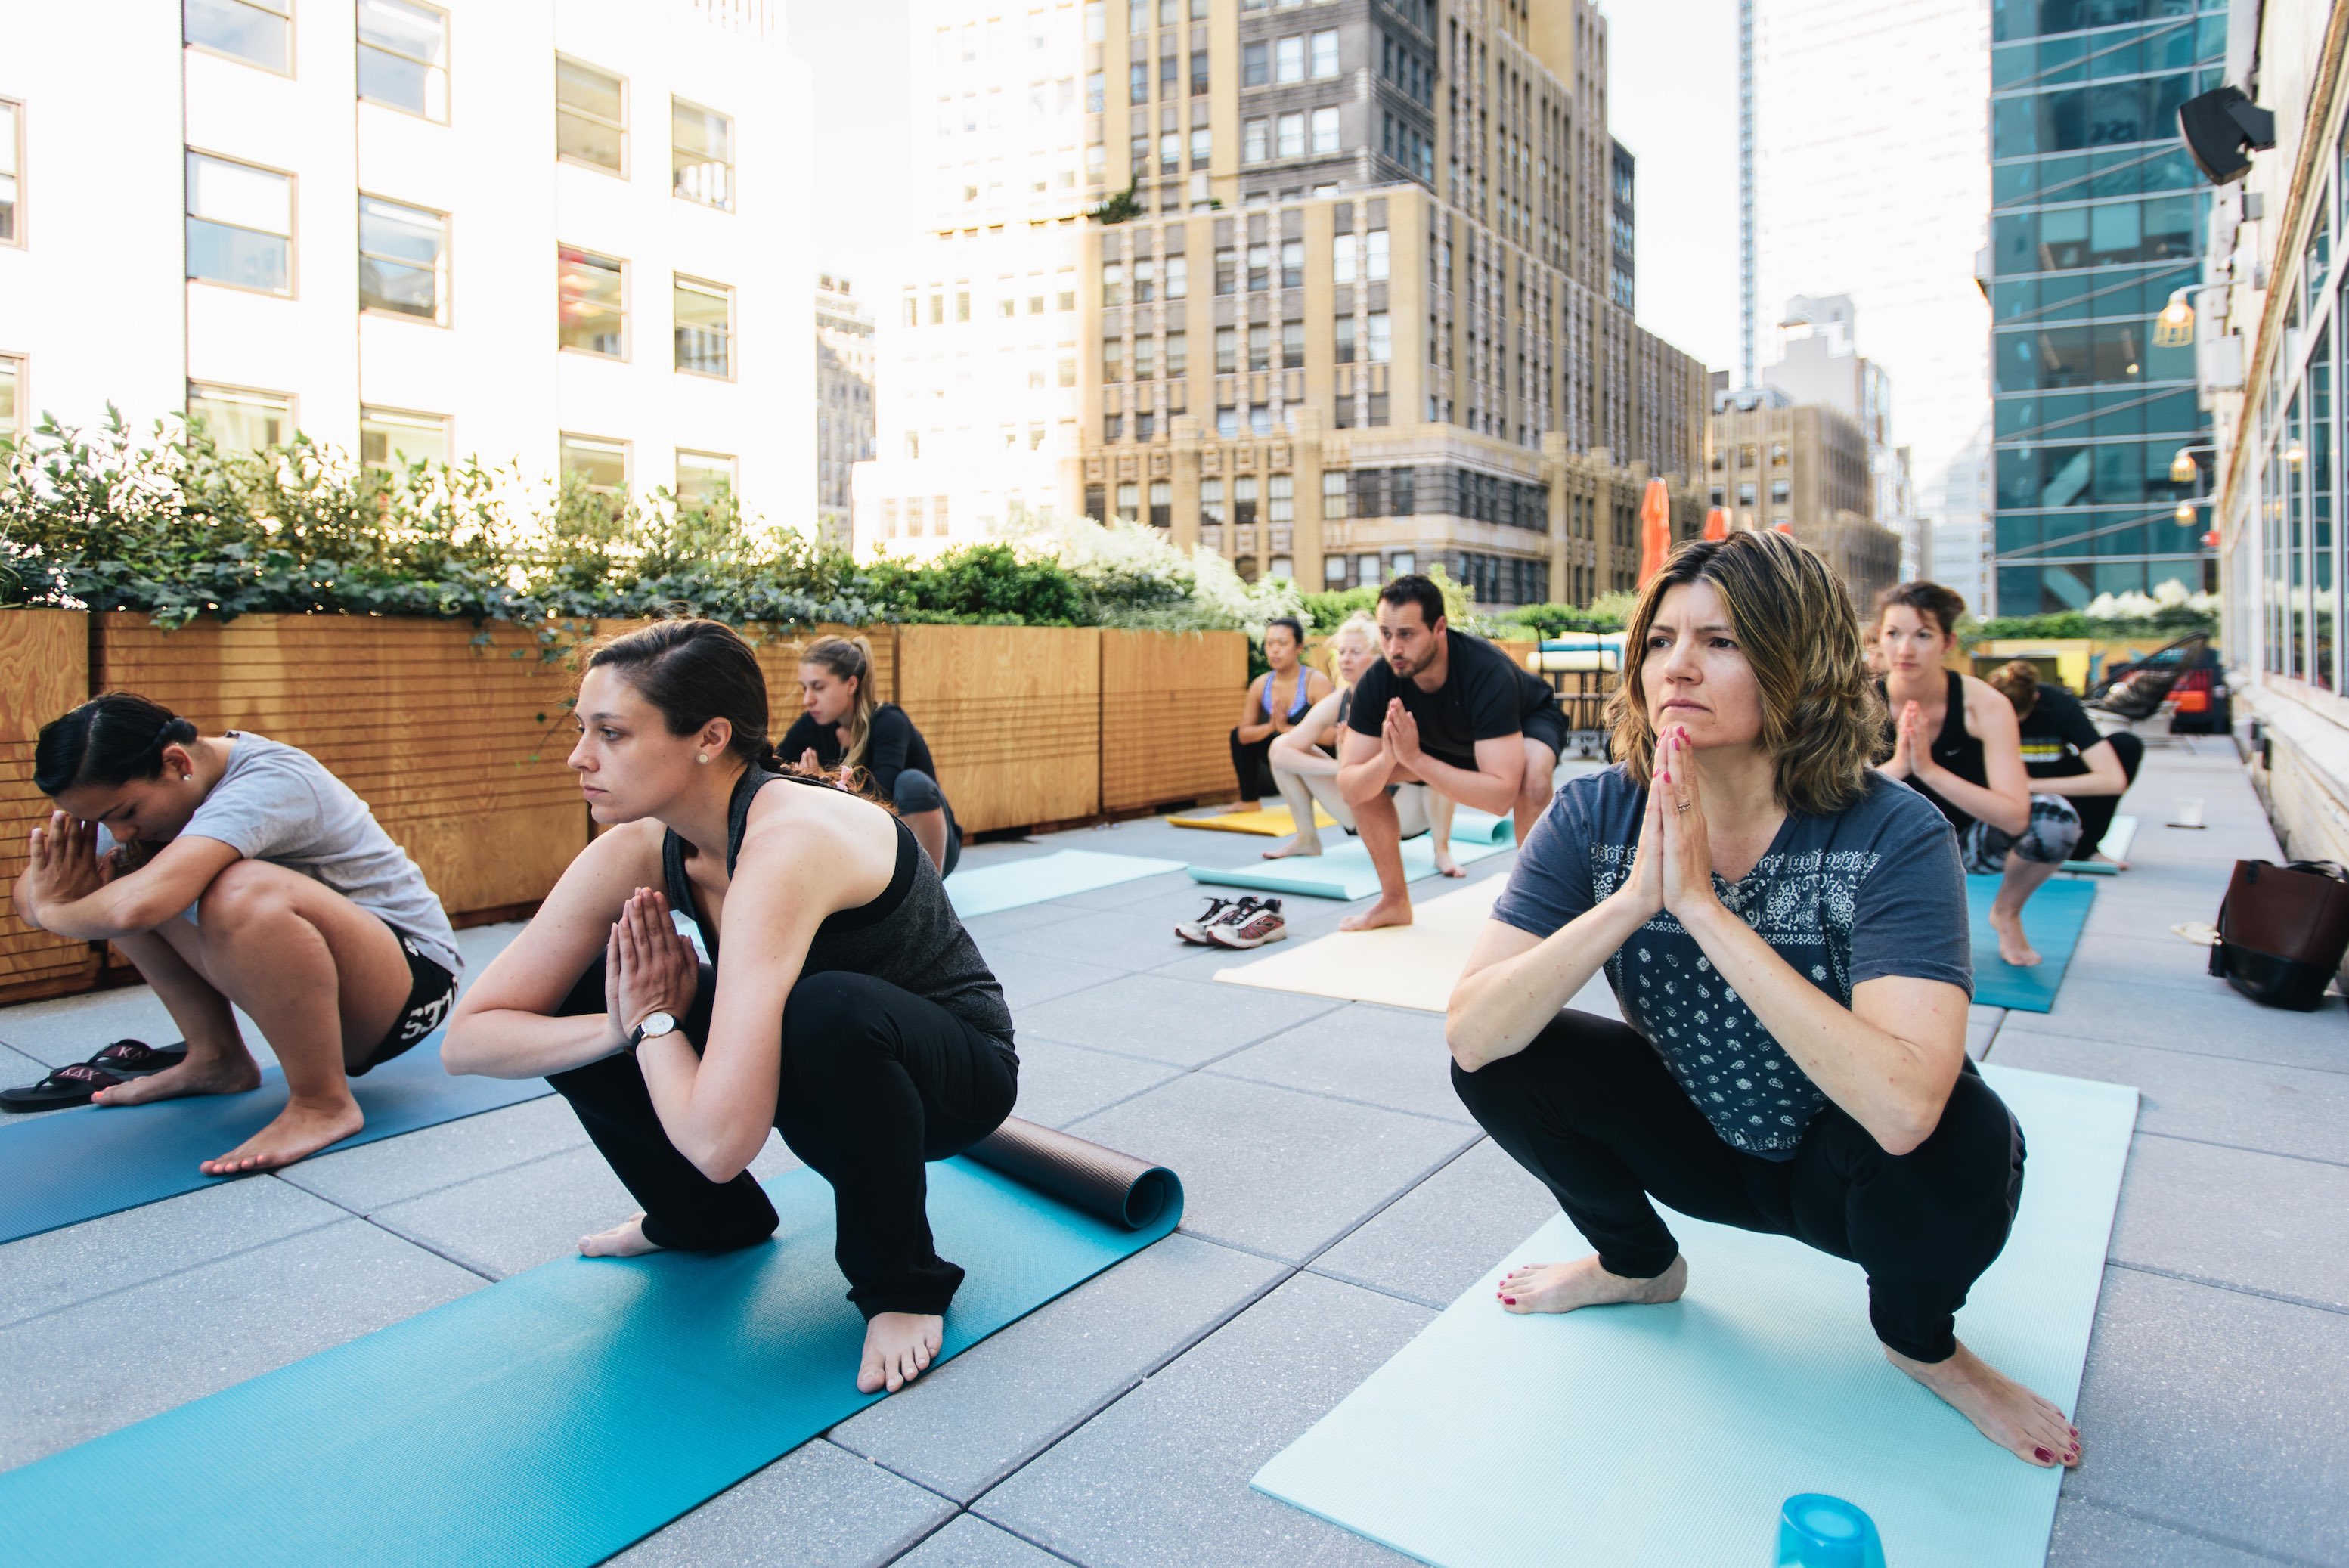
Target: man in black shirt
{"points": [[1446, 710]]}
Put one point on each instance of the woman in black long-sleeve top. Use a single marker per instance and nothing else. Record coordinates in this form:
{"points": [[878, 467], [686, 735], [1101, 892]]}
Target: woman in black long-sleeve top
{"points": [[841, 726]]}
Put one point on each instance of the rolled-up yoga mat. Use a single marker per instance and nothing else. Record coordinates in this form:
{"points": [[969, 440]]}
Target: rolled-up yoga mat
{"points": [[1085, 1176]]}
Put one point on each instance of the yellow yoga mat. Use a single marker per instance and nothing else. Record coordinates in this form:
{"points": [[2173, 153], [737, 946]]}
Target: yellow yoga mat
{"points": [[1275, 824]]}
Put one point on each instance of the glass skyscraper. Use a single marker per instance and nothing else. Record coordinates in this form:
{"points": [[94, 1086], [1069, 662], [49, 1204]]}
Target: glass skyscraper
{"points": [[2097, 217]]}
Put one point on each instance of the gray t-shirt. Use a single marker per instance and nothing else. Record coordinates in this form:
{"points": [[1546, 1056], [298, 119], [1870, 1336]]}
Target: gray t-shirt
{"points": [[277, 803], [1872, 890]]}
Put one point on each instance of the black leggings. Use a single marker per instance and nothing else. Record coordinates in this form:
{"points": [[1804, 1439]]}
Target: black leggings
{"points": [[2097, 811], [1590, 1109], [1252, 766], [877, 1080]]}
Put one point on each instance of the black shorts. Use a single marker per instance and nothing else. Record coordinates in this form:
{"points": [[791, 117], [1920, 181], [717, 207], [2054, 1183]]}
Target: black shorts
{"points": [[1546, 724], [431, 992]]}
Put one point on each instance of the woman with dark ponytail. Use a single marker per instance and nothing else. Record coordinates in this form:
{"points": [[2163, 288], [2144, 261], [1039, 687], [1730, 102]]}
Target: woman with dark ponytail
{"points": [[232, 871], [859, 1020]]}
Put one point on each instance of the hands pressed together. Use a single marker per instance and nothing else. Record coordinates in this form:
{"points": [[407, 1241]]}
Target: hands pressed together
{"points": [[63, 865], [1912, 749], [1399, 736], [1673, 867], [648, 966]]}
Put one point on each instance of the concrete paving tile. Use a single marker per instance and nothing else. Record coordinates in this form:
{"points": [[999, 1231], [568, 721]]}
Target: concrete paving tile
{"points": [[70, 1028], [2089, 1536], [1059, 1083], [375, 1175], [990, 1410], [2167, 963], [971, 1542], [985, 928], [816, 1507], [2266, 1221], [2251, 1105], [2217, 1413], [2215, 1021], [1161, 1476], [1172, 888], [1439, 1238], [1272, 1169], [1121, 939], [114, 1251], [70, 1379], [1384, 1056], [1183, 1022], [1981, 1028], [1031, 979]]}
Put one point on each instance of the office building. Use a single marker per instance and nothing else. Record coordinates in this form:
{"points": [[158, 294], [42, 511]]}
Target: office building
{"points": [[550, 236], [2098, 218], [1620, 226], [1802, 468], [1819, 362], [843, 401]]}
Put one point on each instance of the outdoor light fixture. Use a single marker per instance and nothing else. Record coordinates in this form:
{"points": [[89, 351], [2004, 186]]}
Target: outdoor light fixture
{"points": [[2182, 468], [2185, 514], [2222, 128], [2174, 327], [2295, 454]]}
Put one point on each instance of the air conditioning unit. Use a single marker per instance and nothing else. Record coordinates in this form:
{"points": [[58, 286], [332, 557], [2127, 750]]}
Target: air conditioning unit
{"points": [[2218, 362]]}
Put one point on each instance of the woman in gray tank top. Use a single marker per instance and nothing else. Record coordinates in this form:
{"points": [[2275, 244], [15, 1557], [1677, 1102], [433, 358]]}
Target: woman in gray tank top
{"points": [[894, 1042]]}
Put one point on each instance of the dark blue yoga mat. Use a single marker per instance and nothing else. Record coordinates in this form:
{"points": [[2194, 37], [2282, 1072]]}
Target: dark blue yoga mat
{"points": [[2052, 920], [77, 1165], [546, 1421]]}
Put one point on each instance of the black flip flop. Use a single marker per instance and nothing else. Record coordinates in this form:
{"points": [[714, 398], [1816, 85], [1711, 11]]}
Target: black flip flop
{"points": [[132, 1058], [63, 1089]]}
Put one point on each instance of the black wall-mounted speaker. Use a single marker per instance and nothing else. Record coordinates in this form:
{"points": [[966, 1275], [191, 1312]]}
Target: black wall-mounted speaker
{"points": [[2222, 128]]}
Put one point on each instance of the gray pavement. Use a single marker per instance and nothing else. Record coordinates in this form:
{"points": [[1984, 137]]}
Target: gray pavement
{"points": [[1338, 1198]]}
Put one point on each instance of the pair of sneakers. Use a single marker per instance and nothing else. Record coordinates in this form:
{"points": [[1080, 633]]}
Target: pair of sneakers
{"points": [[1241, 922]]}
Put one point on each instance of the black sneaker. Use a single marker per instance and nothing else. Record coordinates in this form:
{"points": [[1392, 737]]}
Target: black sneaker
{"points": [[1252, 929], [1218, 912]]}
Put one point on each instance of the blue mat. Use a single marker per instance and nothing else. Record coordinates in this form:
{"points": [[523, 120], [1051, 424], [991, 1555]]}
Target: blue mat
{"points": [[76, 1165], [1016, 882], [1493, 1439], [2118, 839], [546, 1421], [1473, 827], [2052, 920], [1343, 871]]}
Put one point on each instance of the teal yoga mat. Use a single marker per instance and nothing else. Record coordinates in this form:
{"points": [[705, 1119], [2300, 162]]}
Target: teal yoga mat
{"points": [[76, 1165], [1016, 882], [2052, 920], [1473, 827], [1343, 870], [546, 1421], [1666, 1437]]}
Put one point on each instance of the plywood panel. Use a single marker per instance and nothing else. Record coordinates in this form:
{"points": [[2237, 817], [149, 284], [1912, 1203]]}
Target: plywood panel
{"points": [[1013, 718], [44, 671], [1167, 706]]}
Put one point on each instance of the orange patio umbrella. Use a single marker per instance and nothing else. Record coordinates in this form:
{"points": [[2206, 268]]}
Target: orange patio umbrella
{"points": [[1716, 523], [1785, 528], [1655, 530]]}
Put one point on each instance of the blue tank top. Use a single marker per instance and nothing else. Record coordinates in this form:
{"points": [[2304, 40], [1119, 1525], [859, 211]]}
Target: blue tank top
{"points": [[1296, 708]]}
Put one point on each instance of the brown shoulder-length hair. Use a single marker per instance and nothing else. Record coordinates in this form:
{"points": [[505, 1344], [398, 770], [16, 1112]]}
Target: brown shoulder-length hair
{"points": [[1822, 718]]}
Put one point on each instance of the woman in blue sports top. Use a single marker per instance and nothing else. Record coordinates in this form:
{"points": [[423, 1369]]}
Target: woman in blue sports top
{"points": [[1276, 703]]}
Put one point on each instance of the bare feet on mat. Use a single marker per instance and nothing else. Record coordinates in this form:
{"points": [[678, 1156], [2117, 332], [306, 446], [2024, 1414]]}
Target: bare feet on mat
{"points": [[1287, 847], [624, 1239], [2012, 945], [899, 1348], [1386, 911], [209, 1076], [300, 1130], [1562, 1287], [2007, 1413], [1444, 864], [2117, 865]]}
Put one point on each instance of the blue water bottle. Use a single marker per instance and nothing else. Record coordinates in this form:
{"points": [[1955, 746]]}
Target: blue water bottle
{"points": [[1815, 1530]]}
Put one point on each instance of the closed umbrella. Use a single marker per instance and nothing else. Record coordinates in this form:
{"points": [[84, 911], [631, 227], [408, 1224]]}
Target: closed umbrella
{"points": [[1785, 528], [1655, 530], [1716, 523]]}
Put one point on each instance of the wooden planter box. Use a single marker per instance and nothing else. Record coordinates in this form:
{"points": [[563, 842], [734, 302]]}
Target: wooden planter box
{"points": [[1167, 704], [44, 671], [1013, 718], [779, 660]]}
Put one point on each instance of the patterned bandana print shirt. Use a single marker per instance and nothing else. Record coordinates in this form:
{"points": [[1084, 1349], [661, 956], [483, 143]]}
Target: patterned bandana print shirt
{"points": [[1870, 890]]}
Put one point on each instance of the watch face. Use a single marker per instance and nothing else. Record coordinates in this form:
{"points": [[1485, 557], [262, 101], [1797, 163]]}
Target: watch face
{"points": [[658, 1023]]}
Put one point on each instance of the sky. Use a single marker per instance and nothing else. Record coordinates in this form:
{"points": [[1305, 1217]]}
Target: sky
{"points": [[862, 58]]}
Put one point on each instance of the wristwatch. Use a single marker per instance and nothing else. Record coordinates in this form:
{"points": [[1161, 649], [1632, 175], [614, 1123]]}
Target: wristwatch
{"points": [[654, 1025]]}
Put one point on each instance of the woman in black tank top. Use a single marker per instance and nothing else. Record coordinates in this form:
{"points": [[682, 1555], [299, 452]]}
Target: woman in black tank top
{"points": [[864, 1025]]}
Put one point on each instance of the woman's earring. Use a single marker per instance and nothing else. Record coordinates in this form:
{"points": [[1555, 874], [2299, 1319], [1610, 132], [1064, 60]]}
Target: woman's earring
{"points": [[701, 756]]}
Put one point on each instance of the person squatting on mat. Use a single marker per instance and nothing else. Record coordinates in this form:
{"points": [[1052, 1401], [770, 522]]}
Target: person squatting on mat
{"points": [[1274, 703], [840, 726], [1447, 711], [1784, 928], [860, 1020], [233, 872], [2060, 742], [1954, 738], [1305, 762]]}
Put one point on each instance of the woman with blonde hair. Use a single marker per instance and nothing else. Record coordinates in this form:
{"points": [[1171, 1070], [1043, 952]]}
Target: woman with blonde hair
{"points": [[842, 726], [1305, 760], [1785, 931]]}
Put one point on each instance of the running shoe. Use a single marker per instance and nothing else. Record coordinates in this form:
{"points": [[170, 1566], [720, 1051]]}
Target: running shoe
{"points": [[1252, 929], [1218, 911]]}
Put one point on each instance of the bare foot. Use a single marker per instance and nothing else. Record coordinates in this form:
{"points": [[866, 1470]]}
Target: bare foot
{"points": [[213, 1075], [1386, 911], [899, 1348], [1445, 865], [1562, 1287], [2007, 1413], [624, 1239], [2116, 865], [300, 1130], [2012, 945], [1298, 845]]}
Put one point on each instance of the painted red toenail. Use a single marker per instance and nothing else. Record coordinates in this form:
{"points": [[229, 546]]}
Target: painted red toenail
{"points": [[2041, 1455], [1508, 1301]]}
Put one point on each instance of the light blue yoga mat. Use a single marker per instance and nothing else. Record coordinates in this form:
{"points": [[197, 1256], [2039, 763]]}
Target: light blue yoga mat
{"points": [[1473, 827], [546, 1421], [2117, 839], [77, 1165], [1016, 882], [1343, 870], [1666, 1437], [2052, 920]]}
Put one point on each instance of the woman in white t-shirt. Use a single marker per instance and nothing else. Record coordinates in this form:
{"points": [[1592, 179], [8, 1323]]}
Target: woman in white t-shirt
{"points": [[241, 874]]}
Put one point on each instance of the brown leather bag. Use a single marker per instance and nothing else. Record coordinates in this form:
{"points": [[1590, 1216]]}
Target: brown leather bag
{"points": [[2282, 930]]}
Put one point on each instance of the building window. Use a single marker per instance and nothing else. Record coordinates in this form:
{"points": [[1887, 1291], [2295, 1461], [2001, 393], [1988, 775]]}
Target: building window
{"points": [[1259, 346], [1227, 269], [12, 401], [1334, 572], [1112, 288], [1065, 282], [1292, 345], [1226, 350], [12, 163], [1345, 339], [240, 225], [1146, 280], [258, 32], [1178, 355], [1333, 496], [1745, 493], [404, 57], [703, 318], [1292, 263], [391, 438], [1252, 141], [239, 419], [700, 154], [1778, 455], [1112, 359], [1374, 254], [1161, 503], [403, 259], [591, 116], [1381, 346], [1202, 146], [1244, 502], [1146, 359], [1228, 421], [602, 466], [1259, 419], [1325, 55], [702, 478], [591, 303], [1259, 267], [1292, 135], [1288, 60], [914, 517], [1324, 130], [1780, 491], [1068, 372], [1211, 503], [1129, 504], [1342, 263], [1378, 408], [1178, 277], [1255, 65]]}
